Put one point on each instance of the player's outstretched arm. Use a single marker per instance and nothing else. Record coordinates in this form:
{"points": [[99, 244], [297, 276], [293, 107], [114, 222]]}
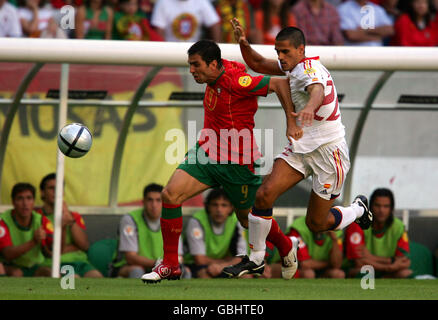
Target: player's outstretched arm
{"points": [[336, 256], [316, 93], [281, 87], [253, 59], [13, 252], [133, 258]]}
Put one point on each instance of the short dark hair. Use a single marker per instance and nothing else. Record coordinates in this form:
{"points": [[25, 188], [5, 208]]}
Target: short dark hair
{"points": [[152, 187], [208, 50], [293, 34], [214, 194], [20, 187], [50, 176], [382, 192]]}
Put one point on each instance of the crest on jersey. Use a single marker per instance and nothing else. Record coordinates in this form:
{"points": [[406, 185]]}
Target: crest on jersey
{"points": [[210, 99], [301, 243], [309, 71], [355, 238], [128, 230], [197, 233], [245, 81], [49, 226]]}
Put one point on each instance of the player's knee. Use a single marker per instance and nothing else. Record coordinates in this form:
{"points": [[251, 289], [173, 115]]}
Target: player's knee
{"points": [[93, 274], [404, 273], [169, 197], [315, 225], [43, 272], [307, 273], [337, 274], [14, 272]]}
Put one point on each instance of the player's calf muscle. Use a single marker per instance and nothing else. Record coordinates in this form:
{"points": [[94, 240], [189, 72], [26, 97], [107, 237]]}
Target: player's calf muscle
{"points": [[264, 198], [242, 216], [267, 194], [318, 224]]}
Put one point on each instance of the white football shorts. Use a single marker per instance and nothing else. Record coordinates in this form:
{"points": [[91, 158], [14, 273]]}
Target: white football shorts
{"points": [[328, 165]]}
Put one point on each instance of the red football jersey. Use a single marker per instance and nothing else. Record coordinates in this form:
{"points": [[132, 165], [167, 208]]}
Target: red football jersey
{"points": [[354, 238], [5, 236], [76, 216], [230, 104], [303, 252]]}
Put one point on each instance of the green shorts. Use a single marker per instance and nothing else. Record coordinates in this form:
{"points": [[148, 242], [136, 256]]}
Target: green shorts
{"points": [[80, 268], [238, 181], [29, 272]]}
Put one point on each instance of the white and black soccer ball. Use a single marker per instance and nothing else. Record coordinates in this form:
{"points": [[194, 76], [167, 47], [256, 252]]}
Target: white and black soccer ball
{"points": [[74, 140]]}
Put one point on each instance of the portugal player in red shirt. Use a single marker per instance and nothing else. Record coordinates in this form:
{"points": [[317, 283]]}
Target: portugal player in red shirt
{"points": [[226, 154]]}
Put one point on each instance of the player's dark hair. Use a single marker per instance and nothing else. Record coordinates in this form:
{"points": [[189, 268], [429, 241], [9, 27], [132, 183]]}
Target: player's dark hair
{"points": [[50, 176], [152, 187], [88, 2], [384, 192], [208, 50], [20, 187], [216, 193], [293, 34], [23, 3], [409, 9]]}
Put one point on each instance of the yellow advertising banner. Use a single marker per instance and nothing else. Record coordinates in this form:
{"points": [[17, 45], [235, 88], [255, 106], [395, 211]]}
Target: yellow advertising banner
{"points": [[31, 151]]}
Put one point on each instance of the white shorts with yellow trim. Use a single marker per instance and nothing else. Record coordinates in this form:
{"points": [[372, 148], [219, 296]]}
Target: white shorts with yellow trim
{"points": [[328, 165]]}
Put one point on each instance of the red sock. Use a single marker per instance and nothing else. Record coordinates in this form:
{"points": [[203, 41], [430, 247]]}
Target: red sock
{"points": [[279, 239], [171, 230]]}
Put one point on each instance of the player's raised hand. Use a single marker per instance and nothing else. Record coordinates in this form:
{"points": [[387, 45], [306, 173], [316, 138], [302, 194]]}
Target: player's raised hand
{"points": [[239, 33], [67, 217], [39, 235]]}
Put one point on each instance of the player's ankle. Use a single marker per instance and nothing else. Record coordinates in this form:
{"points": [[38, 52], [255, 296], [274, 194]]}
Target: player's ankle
{"points": [[257, 256]]}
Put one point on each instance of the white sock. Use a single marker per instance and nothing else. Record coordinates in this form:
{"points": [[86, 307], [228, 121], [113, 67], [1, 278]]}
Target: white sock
{"points": [[258, 230], [349, 215]]}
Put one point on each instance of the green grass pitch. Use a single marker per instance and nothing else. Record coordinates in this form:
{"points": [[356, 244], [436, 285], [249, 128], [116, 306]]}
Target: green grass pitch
{"points": [[218, 289]]}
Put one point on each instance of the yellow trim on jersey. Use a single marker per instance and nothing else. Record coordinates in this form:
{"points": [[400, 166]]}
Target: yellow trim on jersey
{"points": [[339, 169]]}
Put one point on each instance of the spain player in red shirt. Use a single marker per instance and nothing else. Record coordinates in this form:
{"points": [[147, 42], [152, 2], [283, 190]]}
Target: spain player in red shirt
{"points": [[226, 154]]}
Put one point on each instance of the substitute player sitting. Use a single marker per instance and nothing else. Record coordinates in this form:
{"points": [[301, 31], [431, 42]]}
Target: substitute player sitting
{"points": [[226, 152], [25, 236], [385, 245], [322, 152]]}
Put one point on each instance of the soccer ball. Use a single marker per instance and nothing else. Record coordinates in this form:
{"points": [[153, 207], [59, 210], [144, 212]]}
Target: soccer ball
{"points": [[74, 140]]}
